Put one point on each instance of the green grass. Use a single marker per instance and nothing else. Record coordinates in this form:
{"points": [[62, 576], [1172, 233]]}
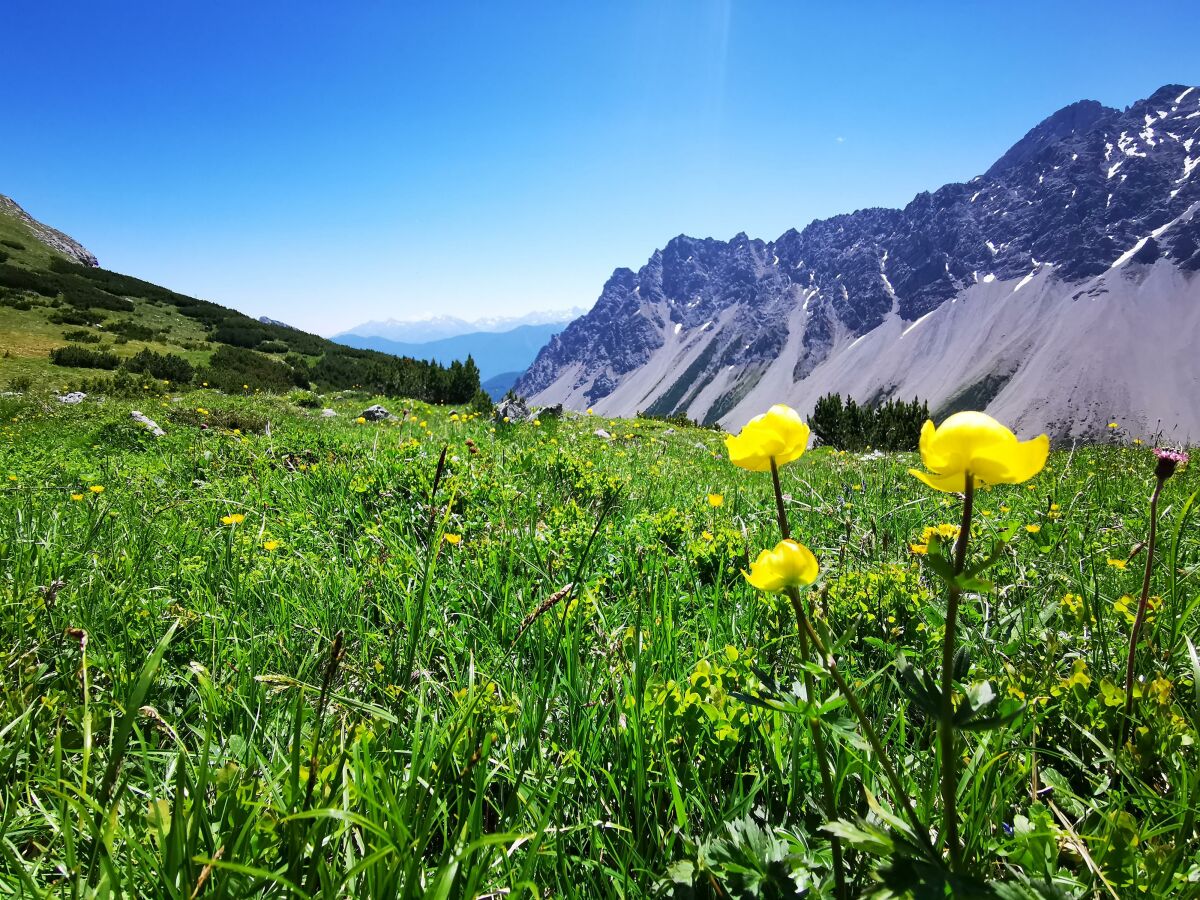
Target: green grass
{"points": [[370, 710]]}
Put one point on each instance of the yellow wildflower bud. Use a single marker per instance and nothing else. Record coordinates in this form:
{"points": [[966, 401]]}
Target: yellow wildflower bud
{"points": [[790, 564], [716, 500], [778, 434], [974, 443], [452, 538]]}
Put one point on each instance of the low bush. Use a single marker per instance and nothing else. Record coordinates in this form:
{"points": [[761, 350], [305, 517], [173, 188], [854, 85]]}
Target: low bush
{"points": [[166, 366], [74, 356], [132, 330], [235, 370], [69, 316], [82, 336]]}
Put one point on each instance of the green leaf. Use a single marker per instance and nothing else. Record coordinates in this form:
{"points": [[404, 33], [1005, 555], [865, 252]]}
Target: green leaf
{"points": [[862, 836]]}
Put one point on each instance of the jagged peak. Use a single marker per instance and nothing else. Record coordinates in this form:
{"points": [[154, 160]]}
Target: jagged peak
{"points": [[1076, 118], [1166, 96]]}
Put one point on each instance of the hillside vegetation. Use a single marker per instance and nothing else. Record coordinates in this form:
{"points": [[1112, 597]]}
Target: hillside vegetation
{"points": [[448, 657], [98, 321]]}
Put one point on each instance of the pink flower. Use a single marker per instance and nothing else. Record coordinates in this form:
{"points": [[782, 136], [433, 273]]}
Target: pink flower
{"points": [[1167, 461]]}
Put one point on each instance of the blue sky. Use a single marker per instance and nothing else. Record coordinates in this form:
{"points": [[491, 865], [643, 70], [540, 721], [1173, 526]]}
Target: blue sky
{"points": [[329, 163]]}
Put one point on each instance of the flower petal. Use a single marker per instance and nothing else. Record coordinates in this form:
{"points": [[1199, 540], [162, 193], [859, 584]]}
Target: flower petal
{"points": [[950, 483]]}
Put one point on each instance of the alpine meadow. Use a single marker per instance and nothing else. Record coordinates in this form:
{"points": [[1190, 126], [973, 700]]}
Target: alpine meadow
{"points": [[858, 563], [446, 655]]}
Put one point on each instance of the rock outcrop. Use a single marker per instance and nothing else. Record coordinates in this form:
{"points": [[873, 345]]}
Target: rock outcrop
{"points": [[1060, 252]]}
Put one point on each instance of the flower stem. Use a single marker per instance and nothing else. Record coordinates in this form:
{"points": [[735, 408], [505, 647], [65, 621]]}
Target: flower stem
{"points": [[780, 510], [830, 666], [946, 740], [814, 723], [1140, 618]]}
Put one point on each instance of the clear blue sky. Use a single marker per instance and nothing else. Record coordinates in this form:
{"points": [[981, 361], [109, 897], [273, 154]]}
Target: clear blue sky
{"points": [[326, 163]]}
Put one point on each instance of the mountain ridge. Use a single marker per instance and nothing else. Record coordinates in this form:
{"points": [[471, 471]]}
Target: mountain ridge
{"points": [[495, 353], [433, 328], [698, 326]]}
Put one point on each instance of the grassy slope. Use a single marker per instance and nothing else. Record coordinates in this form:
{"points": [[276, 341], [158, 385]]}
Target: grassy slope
{"points": [[28, 336], [458, 755]]}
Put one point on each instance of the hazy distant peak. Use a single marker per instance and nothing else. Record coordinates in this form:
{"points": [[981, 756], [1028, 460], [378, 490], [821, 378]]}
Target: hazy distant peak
{"points": [[433, 328]]}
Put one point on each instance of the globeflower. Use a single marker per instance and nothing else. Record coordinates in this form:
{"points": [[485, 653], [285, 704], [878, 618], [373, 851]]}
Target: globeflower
{"points": [[973, 444], [233, 519], [715, 500], [789, 565], [779, 434]]}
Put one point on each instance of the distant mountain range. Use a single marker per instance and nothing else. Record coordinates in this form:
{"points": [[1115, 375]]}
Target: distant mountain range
{"points": [[501, 356], [1060, 290], [420, 331]]}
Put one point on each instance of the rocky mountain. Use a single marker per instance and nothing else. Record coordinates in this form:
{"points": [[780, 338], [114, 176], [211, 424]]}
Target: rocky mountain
{"points": [[51, 237], [1060, 290]]}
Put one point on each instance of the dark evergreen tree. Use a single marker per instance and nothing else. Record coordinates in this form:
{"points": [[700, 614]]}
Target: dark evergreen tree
{"points": [[892, 426]]}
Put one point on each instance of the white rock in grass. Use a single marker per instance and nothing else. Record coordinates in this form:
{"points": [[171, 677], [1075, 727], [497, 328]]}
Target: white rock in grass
{"points": [[72, 398], [149, 423]]}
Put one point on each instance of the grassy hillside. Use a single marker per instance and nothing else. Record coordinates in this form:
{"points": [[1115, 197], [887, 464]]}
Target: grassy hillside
{"points": [[49, 302], [315, 661]]}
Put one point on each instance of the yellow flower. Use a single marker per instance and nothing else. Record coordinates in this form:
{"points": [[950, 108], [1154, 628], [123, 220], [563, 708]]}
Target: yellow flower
{"points": [[452, 538], [974, 443], [1078, 676], [790, 564], [1113, 425], [12, 477], [233, 519], [919, 549], [361, 421], [1160, 690], [1033, 529], [778, 434], [716, 500], [77, 496], [1118, 563], [589, 412], [269, 546], [97, 489]]}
